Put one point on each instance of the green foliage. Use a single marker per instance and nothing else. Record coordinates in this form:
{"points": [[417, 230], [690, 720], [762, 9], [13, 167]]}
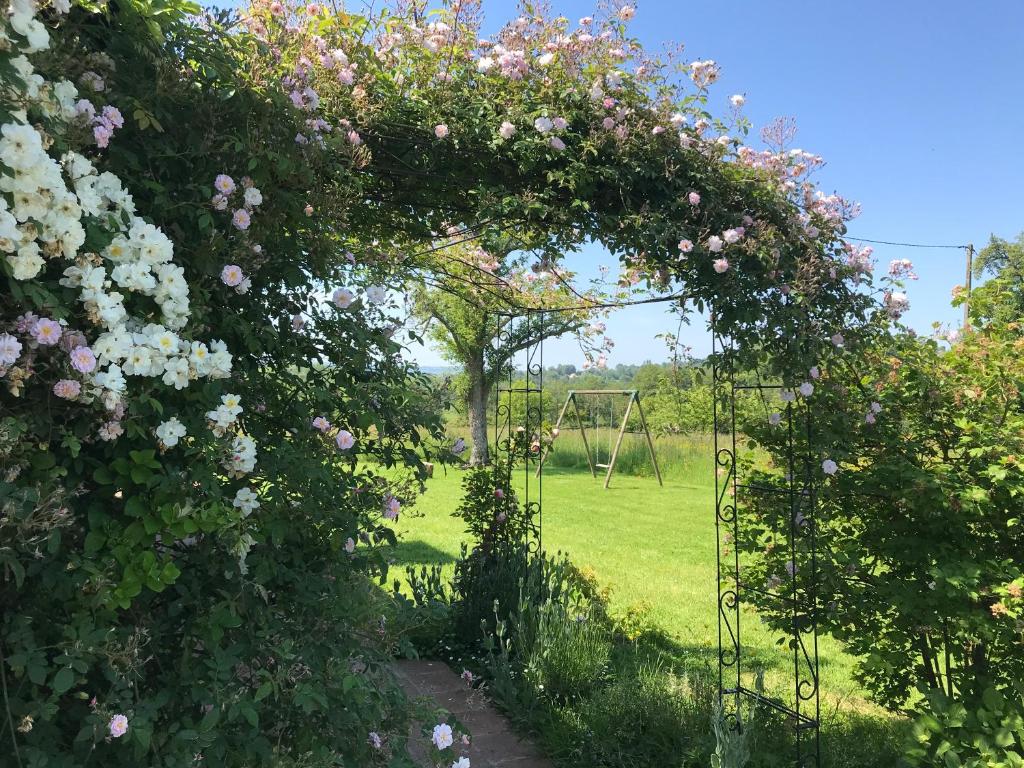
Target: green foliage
{"points": [[987, 732], [920, 573]]}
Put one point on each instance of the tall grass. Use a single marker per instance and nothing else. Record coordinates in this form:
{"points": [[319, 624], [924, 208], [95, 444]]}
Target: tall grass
{"points": [[681, 457]]}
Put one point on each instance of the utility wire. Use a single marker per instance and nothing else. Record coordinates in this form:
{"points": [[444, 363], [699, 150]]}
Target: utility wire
{"points": [[904, 245]]}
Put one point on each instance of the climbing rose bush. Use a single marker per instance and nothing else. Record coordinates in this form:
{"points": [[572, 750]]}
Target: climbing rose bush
{"points": [[187, 514]]}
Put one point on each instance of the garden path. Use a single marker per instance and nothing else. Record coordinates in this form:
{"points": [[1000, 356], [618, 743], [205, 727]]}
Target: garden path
{"points": [[494, 744]]}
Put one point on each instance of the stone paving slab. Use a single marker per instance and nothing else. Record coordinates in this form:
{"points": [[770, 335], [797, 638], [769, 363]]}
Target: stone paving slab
{"points": [[493, 745]]}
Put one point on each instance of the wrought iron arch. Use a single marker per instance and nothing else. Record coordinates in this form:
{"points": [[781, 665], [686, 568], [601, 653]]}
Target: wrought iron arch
{"points": [[523, 378], [519, 343], [797, 500]]}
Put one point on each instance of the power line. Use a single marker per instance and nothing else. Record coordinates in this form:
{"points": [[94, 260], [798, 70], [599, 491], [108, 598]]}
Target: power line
{"points": [[904, 245]]}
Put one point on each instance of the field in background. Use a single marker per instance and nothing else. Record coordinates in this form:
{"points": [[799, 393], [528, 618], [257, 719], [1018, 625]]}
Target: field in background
{"points": [[686, 457], [650, 545]]}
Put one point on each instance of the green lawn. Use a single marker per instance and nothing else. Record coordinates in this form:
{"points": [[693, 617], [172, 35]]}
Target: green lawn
{"points": [[648, 544]]}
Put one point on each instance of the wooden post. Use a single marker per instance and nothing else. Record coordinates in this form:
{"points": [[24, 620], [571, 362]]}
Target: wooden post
{"points": [[647, 434], [618, 442], [583, 434], [558, 424], [970, 276]]}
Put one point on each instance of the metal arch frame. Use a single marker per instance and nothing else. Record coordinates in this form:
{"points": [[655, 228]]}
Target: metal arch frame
{"points": [[532, 390], [634, 397], [803, 711]]}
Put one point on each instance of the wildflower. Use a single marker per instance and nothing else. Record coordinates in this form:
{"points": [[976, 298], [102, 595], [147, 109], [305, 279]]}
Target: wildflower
{"points": [[608, 123], [252, 197], [344, 440], [714, 243], [232, 275], [829, 467], [627, 12], [308, 210], [732, 235], [343, 298], [442, 737], [815, 372], [224, 184], [787, 396], [556, 143], [170, 432], [807, 389], [507, 130], [10, 349], [459, 446], [82, 359], [241, 219], [467, 676], [560, 123], [67, 389], [870, 418], [392, 507], [876, 407], [102, 133], [441, 131], [118, 726], [376, 294], [46, 331], [838, 340], [321, 424], [721, 265], [246, 501]]}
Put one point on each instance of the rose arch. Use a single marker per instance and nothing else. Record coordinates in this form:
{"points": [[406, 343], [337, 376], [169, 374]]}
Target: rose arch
{"points": [[274, 156]]}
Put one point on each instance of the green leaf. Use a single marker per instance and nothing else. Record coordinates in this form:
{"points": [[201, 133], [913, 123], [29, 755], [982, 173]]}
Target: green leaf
{"points": [[63, 680]]}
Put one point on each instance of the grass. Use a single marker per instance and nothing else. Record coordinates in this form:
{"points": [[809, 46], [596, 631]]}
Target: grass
{"points": [[684, 457], [649, 544]]}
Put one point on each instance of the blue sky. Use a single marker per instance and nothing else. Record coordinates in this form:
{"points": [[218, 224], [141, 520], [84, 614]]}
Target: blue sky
{"points": [[917, 107]]}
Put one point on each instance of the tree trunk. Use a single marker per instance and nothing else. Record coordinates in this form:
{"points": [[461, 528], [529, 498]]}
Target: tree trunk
{"points": [[476, 405]]}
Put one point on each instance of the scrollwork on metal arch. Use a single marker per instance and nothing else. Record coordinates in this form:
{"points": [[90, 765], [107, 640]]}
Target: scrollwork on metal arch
{"points": [[728, 602], [727, 511], [807, 679]]}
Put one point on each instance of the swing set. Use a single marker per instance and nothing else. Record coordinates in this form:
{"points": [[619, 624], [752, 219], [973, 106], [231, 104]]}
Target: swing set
{"points": [[633, 398]]}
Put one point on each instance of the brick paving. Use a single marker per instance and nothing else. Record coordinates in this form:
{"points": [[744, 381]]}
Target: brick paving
{"points": [[493, 742]]}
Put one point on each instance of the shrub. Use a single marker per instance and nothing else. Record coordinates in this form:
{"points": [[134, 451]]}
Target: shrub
{"points": [[983, 733]]}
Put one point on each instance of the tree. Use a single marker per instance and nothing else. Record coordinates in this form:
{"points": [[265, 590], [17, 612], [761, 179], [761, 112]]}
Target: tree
{"points": [[1001, 297], [468, 308]]}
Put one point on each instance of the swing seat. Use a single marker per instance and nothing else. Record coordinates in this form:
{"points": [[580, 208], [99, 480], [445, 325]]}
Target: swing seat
{"points": [[601, 466]]}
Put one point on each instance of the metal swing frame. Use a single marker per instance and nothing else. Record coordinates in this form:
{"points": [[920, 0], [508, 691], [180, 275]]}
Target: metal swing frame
{"points": [[634, 398]]}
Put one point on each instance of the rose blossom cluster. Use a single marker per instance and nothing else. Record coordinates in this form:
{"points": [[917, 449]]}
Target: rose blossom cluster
{"points": [[53, 201], [103, 123], [251, 198]]}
